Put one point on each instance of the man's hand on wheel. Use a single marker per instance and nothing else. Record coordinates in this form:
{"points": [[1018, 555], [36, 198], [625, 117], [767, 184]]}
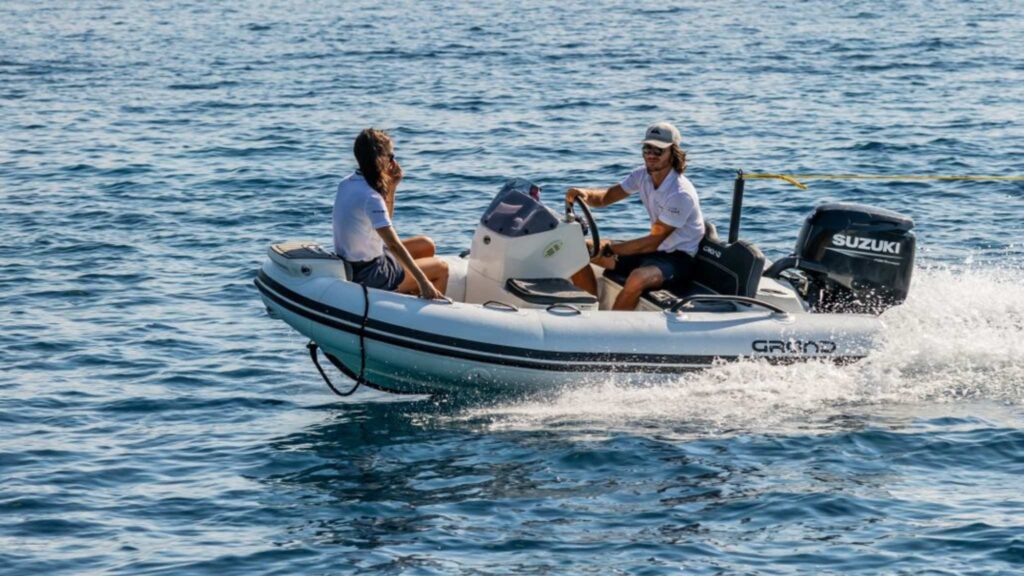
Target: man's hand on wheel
{"points": [[573, 193]]}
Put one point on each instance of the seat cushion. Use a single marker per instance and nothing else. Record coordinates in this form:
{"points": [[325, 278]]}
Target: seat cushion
{"points": [[547, 291]]}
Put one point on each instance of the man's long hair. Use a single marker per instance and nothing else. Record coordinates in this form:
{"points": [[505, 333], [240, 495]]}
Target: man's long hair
{"points": [[678, 158], [372, 150]]}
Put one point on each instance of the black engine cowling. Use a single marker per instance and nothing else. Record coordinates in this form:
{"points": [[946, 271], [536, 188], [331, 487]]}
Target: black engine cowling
{"points": [[854, 258]]}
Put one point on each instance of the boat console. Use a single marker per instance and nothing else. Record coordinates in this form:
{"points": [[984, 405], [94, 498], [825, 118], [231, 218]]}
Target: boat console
{"points": [[523, 253]]}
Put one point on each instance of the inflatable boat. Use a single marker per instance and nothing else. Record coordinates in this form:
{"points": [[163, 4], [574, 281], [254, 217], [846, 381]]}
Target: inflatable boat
{"points": [[514, 322]]}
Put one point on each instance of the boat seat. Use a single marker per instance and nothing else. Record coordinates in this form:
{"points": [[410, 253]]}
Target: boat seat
{"points": [[348, 266], [547, 291], [301, 250], [732, 269], [721, 268], [295, 255]]}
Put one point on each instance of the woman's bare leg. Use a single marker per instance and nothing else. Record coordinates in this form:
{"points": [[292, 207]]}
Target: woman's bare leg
{"points": [[436, 271], [420, 247]]}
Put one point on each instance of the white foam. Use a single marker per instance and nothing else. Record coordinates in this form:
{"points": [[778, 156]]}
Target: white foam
{"points": [[959, 335]]}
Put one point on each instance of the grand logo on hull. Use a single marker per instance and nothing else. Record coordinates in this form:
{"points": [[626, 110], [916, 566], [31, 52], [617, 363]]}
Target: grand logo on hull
{"points": [[793, 346]]}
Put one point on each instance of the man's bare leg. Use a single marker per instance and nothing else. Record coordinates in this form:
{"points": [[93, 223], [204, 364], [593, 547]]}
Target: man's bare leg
{"points": [[640, 280], [585, 280]]}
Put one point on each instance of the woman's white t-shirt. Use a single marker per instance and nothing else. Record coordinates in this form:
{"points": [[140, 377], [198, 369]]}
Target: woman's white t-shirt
{"points": [[675, 203], [358, 212]]}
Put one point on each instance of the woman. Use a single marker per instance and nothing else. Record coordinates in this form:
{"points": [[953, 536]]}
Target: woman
{"points": [[364, 235]]}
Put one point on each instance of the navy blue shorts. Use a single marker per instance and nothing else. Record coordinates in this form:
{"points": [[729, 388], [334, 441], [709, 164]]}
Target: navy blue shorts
{"points": [[676, 267], [383, 272]]}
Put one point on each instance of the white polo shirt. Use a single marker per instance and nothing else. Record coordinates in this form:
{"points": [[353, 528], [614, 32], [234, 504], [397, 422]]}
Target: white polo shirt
{"points": [[675, 203], [358, 211]]}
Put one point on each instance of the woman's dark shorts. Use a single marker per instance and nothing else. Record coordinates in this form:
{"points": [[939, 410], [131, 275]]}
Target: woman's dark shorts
{"points": [[676, 267], [383, 272]]}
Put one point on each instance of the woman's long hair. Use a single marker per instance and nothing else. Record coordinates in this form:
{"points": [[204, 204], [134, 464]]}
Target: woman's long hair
{"points": [[373, 153], [678, 158]]}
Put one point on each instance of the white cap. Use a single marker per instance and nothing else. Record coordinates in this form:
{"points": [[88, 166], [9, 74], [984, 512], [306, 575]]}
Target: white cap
{"points": [[662, 135]]}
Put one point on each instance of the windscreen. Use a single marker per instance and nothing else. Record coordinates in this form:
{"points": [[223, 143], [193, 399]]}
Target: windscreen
{"points": [[514, 212]]}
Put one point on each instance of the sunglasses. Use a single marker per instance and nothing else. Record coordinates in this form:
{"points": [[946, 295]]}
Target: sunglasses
{"points": [[649, 150]]}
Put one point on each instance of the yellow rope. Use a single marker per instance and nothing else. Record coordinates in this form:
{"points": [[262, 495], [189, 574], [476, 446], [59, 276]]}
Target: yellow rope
{"points": [[794, 179]]}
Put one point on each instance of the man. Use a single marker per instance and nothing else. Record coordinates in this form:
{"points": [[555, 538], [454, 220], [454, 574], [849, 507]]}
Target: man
{"points": [[665, 256]]}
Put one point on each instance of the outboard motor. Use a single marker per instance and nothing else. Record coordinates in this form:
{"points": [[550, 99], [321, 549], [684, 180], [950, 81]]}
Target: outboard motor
{"points": [[853, 258]]}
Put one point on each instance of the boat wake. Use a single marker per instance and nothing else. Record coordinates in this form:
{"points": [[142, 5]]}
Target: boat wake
{"points": [[959, 336]]}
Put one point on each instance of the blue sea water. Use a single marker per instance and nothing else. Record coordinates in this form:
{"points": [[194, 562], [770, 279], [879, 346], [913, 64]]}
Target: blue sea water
{"points": [[153, 419]]}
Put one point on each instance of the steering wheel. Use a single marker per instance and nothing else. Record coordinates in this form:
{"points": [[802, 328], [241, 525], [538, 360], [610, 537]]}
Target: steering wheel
{"points": [[587, 222]]}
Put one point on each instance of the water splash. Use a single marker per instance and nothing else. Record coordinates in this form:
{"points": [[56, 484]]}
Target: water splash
{"points": [[960, 335]]}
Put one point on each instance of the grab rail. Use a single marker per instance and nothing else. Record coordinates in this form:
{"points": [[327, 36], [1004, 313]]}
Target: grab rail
{"points": [[724, 298], [563, 306], [499, 305]]}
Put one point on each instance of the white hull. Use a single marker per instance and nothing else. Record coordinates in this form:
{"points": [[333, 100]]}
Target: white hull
{"points": [[414, 345]]}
